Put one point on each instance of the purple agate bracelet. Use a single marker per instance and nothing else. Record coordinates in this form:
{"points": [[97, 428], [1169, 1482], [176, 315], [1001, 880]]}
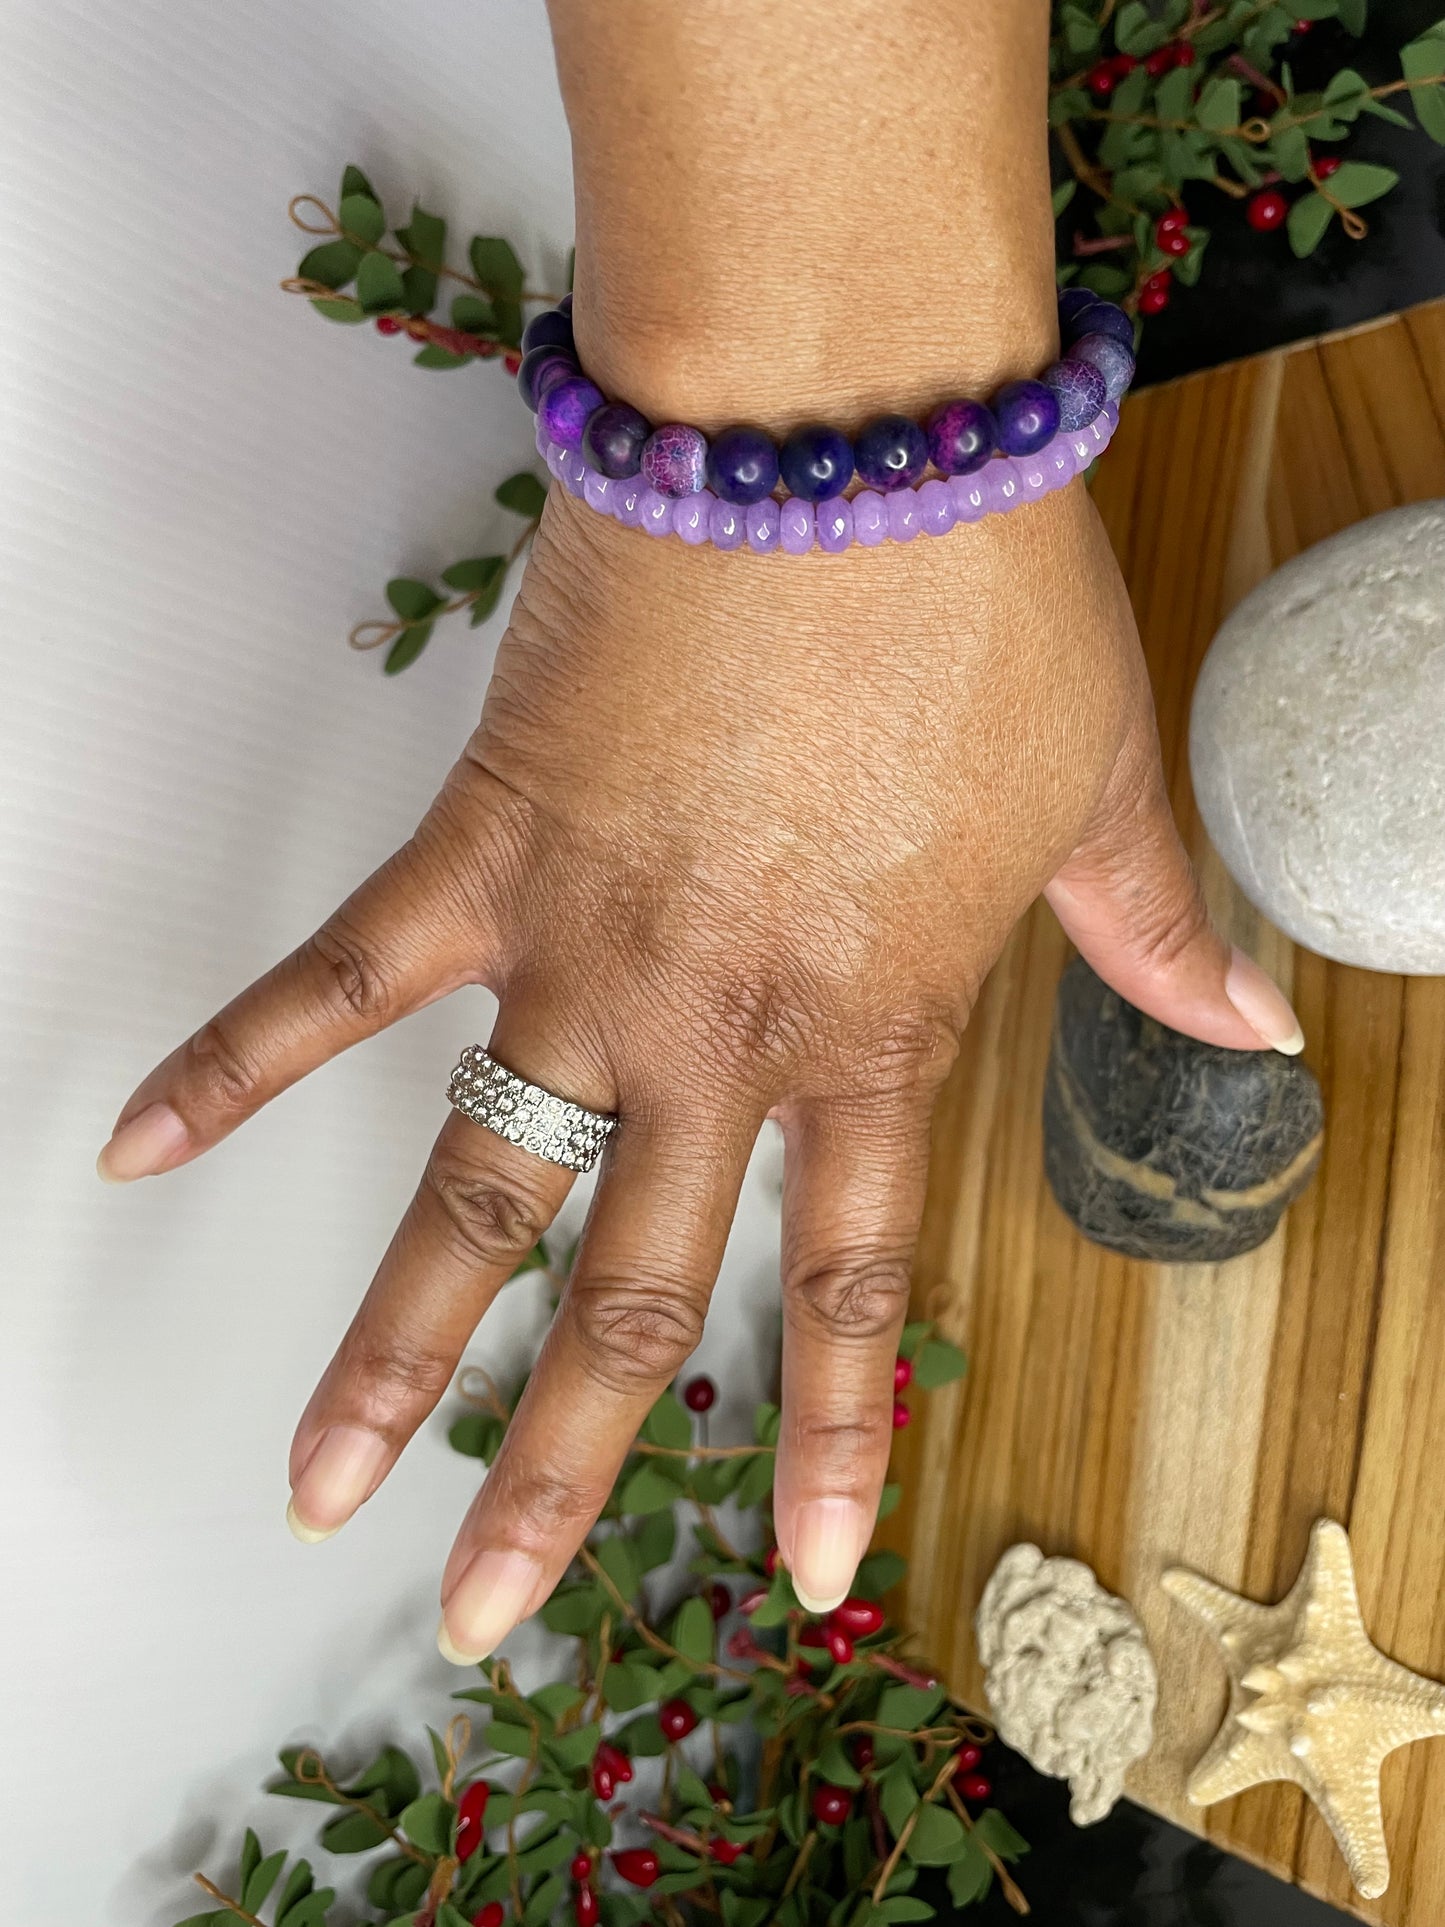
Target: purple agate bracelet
{"points": [[795, 525]]}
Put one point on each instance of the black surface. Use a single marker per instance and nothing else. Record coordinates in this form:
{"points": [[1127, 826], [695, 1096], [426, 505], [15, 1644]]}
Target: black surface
{"points": [[1253, 294], [1130, 1870]]}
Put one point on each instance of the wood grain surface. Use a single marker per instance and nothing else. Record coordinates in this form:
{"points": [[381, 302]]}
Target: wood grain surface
{"points": [[1138, 1416]]}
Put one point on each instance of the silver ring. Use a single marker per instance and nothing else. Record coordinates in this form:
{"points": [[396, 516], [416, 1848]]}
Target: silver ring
{"points": [[527, 1115]]}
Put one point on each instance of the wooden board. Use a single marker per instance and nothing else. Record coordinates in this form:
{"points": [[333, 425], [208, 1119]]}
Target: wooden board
{"points": [[1138, 1416]]}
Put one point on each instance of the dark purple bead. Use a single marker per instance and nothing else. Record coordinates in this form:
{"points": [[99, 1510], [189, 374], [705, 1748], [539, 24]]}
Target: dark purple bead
{"points": [[564, 306], [550, 329], [961, 436], [541, 370], [1102, 318], [567, 408], [816, 462], [1079, 389], [1027, 416], [612, 441], [1114, 363], [891, 452], [742, 465], [1071, 300]]}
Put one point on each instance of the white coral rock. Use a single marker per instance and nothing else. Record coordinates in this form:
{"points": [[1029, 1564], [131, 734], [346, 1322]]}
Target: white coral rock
{"points": [[1069, 1677]]}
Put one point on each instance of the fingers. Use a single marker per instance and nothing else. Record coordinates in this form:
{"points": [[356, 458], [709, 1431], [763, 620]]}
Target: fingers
{"points": [[1129, 899], [399, 942], [852, 1200], [632, 1314]]}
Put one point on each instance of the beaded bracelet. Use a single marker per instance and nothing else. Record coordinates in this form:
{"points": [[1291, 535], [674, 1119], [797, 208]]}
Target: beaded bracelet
{"points": [[1034, 436]]}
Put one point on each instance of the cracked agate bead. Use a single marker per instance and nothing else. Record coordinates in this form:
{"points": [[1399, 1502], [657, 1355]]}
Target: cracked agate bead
{"points": [[674, 459], [541, 370], [742, 465], [565, 410], [890, 452], [1113, 361], [550, 329], [1079, 389], [613, 439], [962, 435], [1027, 415], [816, 462]]}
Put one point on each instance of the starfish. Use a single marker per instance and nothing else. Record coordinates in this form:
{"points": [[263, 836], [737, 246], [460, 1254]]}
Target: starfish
{"points": [[1311, 1700]]}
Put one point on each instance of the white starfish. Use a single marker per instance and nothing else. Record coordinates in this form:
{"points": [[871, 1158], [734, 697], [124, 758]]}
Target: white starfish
{"points": [[1311, 1700]]}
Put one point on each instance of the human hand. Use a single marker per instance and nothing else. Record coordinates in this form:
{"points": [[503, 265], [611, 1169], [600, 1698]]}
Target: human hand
{"points": [[735, 837]]}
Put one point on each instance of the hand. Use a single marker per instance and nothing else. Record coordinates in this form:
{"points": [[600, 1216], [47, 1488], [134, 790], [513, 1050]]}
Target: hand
{"points": [[736, 837]]}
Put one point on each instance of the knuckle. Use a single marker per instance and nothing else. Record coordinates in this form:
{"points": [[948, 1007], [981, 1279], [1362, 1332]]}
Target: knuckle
{"points": [[849, 1448], [635, 1334], [354, 977], [217, 1064], [854, 1296], [554, 1500], [911, 1049], [1167, 922], [494, 1223], [397, 1374]]}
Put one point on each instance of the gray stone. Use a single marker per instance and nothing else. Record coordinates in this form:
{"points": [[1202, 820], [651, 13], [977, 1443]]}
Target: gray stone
{"points": [[1317, 744], [1165, 1148]]}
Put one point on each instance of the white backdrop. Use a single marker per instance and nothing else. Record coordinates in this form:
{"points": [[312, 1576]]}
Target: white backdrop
{"points": [[202, 487]]}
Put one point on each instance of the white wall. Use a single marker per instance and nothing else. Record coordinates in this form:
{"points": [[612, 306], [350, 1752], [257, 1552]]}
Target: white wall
{"points": [[202, 486]]}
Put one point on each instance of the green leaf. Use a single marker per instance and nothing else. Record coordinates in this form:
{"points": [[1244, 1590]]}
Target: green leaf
{"points": [[575, 1609], [298, 1884], [425, 238], [450, 1916], [523, 494], [693, 1629], [938, 1363], [543, 1900], [628, 1684], [545, 1854], [362, 219], [495, 264], [970, 1876], [667, 1423], [353, 181], [557, 1701], [767, 1424], [656, 1540], [781, 1601], [427, 1823], [888, 1501], [378, 284], [433, 356], [1137, 31], [1188, 267], [755, 1481], [879, 1573], [834, 1766], [574, 1750], [419, 290], [1080, 30], [1290, 151], [1063, 195], [352, 1833], [1357, 183], [413, 601], [476, 1435], [1353, 16], [1423, 64], [261, 1879], [902, 1907], [1105, 280], [1308, 220], [1174, 96], [898, 1797], [994, 1831], [643, 1738], [250, 1856], [909, 1706], [646, 1489], [407, 647], [346, 311], [473, 315], [332, 264], [914, 1335], [503, 1736], [618, 1560], [509, 321], [477, 572], [1219, 105], [393, 1774], [937, 1838]]}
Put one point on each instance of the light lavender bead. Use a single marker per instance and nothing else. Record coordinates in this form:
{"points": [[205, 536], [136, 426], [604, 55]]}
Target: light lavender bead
{"points": [[552, 456], [654, 513], [574, 471], [936, 513], [674, 459], [1001, 485], [835, 524], [870, 518], [691, 517], [1033, 477], [628, 497], [544, 441], [598, 492], [1058, 458], [797, 528], [904, 521], [969, 503], [726, 524], [764, 524]]}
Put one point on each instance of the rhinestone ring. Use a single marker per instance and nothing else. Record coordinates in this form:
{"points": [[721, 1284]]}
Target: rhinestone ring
{"points": [[525, 1114]]}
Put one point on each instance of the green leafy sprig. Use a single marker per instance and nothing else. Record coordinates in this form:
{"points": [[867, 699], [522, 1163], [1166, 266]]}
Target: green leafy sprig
{"points": [[782, 1781]]}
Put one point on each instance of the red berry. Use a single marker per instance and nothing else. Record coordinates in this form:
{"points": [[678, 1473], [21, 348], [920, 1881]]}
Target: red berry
{"points": [[613, 1761], [603, 1784], [718, 1794], [471, 1811], [719, 1600], [725, 1852], [742, 1645], [1123, 65], [1153, 300], [973, 1786], [1303, 26], [1100, 79], [902, 1374], [387, 324], [750, 1601], [1326, 165], [511, 361], [1159, 62], [840, 1646], [861, 1617], [813, 1636], [585, 1905], [699, 1394], [770, 1562], [1176, 243], [1266, 210], [1174, 222], [639, 1866], [581, 1866], [677, 1719], [1185, 56], [901, 1415], [1160, 278], [863, 1752], [832, 1805], [965, 1760], [492, 1915]]}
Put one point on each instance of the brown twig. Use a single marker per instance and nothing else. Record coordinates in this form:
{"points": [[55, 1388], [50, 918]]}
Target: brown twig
{"points": [[362, 638], [323, 1778], [1008, 1887], [649, 1637], [335, 229], [905, 1832], [226, 1901]]}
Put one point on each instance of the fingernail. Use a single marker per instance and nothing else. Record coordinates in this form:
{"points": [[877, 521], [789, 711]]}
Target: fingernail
{"points": [[829, 1537], [491, 1596], [1263, 1005], [142, 1147], [334, 1481]]}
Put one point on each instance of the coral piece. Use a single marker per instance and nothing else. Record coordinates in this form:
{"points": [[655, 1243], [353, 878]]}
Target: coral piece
{"points": [[1069, 1677], [1311, 1700]]}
